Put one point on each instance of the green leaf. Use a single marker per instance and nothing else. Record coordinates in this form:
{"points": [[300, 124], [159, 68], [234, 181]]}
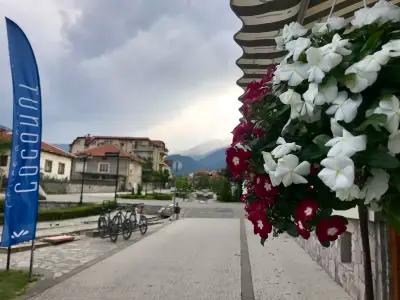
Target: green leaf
{"points": [[320, 140], [326, 244], [391, 210], [375, 120], [371, 44], [379, 159], [291, 230], [263, 241]]}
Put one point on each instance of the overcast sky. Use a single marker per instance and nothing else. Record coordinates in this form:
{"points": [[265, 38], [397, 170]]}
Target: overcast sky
{"points": [[156, 68]]}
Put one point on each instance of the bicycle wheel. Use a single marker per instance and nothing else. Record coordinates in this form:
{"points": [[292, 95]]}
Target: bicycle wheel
{"points": [[127, 229], [143, 224], [113, 230], [102, 226]]}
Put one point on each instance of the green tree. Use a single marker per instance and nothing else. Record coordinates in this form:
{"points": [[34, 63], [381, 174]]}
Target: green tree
{"points": [[182, 184]]}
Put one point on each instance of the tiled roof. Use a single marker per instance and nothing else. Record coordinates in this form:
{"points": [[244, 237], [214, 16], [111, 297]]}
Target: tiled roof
{"points": [[90, 138], [101, 151], [4, 135]]}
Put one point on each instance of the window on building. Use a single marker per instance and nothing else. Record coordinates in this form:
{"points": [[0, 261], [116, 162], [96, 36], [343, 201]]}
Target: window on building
{"points": [[3, 160], [61, 168], [345, 248], [104, 168], [48, 166]]}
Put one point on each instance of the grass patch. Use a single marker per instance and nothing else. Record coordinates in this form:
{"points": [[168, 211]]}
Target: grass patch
{"points": [[13, 284], [86, 210], [150, 196]]}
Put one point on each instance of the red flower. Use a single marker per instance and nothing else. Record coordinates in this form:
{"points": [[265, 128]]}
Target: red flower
{"points": [[261, 225], [237, 160], [256, 89], [246, 111], [306, 210], [303, 229], [329, 229], [258, 131], [242, 132], [263, 187]]}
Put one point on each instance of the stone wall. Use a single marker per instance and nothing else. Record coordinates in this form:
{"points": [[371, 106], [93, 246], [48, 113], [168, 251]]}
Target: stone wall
{"points": [[75, 188], [343, 261]]}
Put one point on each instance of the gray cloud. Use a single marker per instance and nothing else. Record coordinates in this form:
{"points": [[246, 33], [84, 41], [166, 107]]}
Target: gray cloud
{"points": [[121, 67]]}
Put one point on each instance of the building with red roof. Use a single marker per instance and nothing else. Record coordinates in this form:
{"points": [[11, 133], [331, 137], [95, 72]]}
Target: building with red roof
{"points": [[153, 151], [102, 164], [55, 163]]}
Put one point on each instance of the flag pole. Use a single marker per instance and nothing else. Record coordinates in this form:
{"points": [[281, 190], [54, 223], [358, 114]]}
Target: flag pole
{"points": [[8, 258], [31, 261]]}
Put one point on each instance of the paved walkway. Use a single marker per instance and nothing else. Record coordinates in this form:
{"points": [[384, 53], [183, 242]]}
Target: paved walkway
{"points": [[53, 262], [200, 259]]}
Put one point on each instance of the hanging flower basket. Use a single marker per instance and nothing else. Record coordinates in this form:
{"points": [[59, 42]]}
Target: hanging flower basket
{"points": [[320, 133]]}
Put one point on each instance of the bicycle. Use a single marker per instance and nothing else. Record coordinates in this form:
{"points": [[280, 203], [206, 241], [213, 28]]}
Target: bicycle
{"points": [[142, 223], [139, 220], [103, 224], [120, 223]]}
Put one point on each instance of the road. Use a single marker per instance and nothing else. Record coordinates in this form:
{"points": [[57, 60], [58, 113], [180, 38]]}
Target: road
{"points": [[207, 255]]}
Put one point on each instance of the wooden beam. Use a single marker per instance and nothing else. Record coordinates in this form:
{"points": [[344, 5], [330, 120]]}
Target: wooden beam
{"points": [[394, 248]]}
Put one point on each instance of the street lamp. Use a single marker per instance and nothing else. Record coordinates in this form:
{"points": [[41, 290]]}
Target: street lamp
{"points": [[117, 155], [84, 157]]}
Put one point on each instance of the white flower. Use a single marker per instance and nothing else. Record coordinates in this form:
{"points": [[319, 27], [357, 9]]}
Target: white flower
{"points": [[289, 32], [289, 170], [298, 107], [365, 72], [321, 94], [296, 47], [359, 79], [376, 186], [284, 148], [394, 143], [338, 172], [321, 61], [390, 107], [344, 108], [294, 73], [347, 144], [392, 47], [333, 23], [349, 194], [381, 12], [338, 45], [269, 162], [336, 23], [336, 129]]}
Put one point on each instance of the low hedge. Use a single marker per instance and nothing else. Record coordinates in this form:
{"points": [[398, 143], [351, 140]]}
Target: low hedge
{"points": [[86, 210], [152, 196], [53, 214]]}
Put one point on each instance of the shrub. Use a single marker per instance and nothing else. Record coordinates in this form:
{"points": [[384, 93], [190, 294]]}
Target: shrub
{"points": [[54, 214]]}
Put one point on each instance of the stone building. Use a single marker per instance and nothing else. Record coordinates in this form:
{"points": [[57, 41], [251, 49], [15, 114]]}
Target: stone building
{"points": [[101, 164], [55, 163], [147, 149]]}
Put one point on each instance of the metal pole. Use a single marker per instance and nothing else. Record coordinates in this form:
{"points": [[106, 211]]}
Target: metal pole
{"points": [[31, 262], [8, 258], [116, 180], [368, 278], [82, 182]]}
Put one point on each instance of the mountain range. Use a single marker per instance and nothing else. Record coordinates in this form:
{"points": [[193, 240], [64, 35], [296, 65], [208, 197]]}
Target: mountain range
{"points": [[206, 156]]}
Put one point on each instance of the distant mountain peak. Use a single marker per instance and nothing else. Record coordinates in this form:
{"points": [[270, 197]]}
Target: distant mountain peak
{"points": [[202, 150], [206, 156]]}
